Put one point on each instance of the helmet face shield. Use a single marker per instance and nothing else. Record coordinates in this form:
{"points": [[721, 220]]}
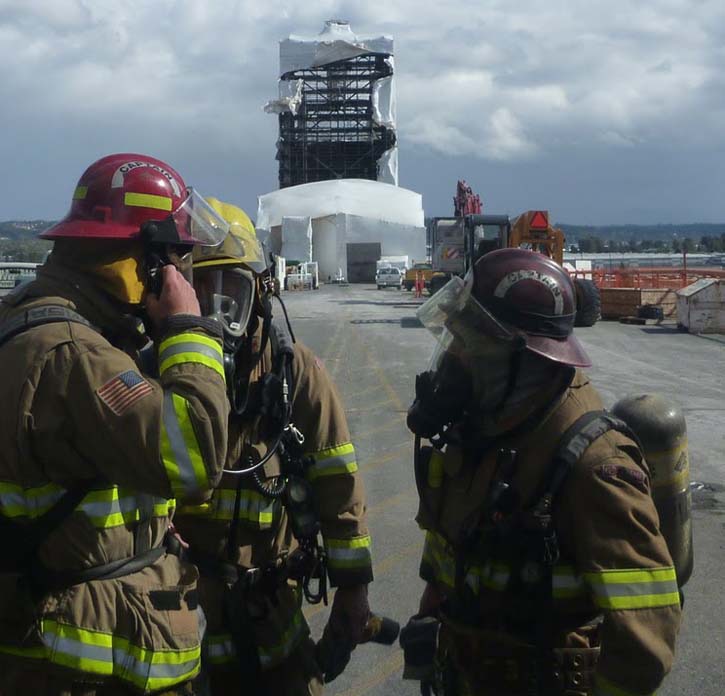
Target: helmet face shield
{"points": [[227, 296], [454, 309], [198, 223]]}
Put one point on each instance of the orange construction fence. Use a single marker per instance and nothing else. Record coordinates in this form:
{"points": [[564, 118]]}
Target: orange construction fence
{"points": [[646, 278]]}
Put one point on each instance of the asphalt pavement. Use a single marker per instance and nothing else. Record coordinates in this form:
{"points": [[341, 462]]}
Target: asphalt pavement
{"points": [[372, 345]]}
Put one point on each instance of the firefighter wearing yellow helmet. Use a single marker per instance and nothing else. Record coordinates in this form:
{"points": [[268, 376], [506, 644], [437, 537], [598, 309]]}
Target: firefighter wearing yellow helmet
{"points": [[256, 541]]}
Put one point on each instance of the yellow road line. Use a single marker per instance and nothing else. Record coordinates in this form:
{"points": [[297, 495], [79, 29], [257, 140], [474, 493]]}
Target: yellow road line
{"points": [[369, 407], [393, 500], [380, 373], [382, 672], [395, 420], [392, 454]]}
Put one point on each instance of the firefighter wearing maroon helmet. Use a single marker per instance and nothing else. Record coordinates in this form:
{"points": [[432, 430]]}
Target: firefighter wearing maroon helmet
{"points": [[546, 571], [97, 452]]}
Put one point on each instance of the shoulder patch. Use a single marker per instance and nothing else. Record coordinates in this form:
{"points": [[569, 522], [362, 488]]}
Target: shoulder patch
{"points": [[123, 391], [614, 472]]}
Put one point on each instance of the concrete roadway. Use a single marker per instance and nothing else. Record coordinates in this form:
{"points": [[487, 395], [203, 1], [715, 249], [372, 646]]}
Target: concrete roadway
{"points": [[373, 348]]}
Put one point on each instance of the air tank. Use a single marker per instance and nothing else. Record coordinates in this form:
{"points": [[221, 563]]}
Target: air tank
{"points": [[660, 426]]}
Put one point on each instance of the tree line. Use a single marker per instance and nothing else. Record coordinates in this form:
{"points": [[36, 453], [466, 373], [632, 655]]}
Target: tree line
{"points": [[676, 245]]}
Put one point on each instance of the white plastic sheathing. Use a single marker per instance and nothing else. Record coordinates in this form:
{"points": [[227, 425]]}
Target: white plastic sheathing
{"points": [[297, 238], [289, 99], [331, 235], [370, 199], [335, 42], [388, 167], [383, 98]]}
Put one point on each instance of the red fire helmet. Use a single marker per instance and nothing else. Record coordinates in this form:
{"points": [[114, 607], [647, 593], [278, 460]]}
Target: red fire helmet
{"points": [[118, 193]]}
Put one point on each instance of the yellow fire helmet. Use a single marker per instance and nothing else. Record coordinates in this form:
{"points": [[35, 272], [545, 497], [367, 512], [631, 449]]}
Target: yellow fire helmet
{"points": [[228, 277], [239, 248]]}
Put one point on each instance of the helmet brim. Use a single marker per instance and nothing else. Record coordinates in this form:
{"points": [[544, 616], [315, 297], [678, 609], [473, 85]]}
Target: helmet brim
{"points": [[568, 351], [89, 229]]}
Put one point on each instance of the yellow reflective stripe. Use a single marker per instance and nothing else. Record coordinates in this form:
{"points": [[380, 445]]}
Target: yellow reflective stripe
{"points": [[631, 588], [191, 348], [348, 553], [440, 562], [492, 575], [333, 461], [148, 200], [106, 654], [288, 641], [435, 469], [105, 508], [180, 451], [113, 508], [254, 507], [80, 193], [603, 687], [16, 501]]}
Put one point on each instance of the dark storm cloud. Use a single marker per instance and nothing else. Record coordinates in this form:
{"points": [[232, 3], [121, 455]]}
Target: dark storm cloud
{"points": [[601, 111]]}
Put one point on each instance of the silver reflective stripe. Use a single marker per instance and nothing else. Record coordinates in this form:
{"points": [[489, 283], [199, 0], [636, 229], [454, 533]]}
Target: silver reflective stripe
{"points": [[252, 506], [30, 505], [635, 589], [190, 347], [117, 660], [340, 460], [178, 445], [220, 648], [348, 554], [146, 670]]}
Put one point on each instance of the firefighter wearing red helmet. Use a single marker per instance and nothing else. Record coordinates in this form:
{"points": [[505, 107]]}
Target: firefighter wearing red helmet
{"points": [[93, 599], [545, 567]]}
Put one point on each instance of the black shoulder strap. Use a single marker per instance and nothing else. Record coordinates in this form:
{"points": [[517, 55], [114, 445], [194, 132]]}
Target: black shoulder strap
{"points": [[21, 542], [36, 316], [576, 440]]}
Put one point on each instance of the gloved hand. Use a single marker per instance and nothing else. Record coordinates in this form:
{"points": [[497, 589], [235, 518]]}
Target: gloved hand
{"points": [[348, 618], [419, 639], [350, 613]]}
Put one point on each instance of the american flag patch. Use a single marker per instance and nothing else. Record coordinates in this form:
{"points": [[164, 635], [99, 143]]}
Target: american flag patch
{"points": [[123, 391]]}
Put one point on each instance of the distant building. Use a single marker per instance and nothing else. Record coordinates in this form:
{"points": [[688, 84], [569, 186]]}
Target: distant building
{"points": [[336, 108]]}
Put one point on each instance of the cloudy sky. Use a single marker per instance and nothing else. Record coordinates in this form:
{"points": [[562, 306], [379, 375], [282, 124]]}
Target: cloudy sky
{"points": [[601, 111]]}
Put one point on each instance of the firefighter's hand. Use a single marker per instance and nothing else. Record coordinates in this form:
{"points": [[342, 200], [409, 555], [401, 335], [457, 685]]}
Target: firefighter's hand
{"points": [[350, 613], [177, 297]]}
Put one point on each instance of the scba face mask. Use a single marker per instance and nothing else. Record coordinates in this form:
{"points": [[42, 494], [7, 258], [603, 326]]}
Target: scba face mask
{"points": [[227, 296]]}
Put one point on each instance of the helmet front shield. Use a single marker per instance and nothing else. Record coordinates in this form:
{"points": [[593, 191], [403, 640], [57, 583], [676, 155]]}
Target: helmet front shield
{"points": [[455, 311], [198, 223]]}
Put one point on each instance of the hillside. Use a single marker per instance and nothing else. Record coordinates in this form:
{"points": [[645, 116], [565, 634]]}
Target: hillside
{"points": [[22, 229]]}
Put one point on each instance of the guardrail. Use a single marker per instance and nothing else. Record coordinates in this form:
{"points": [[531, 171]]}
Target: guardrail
{"points": [[648, 278]]}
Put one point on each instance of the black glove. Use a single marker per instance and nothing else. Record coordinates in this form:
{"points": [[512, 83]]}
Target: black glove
{"points": [[419, 639]]}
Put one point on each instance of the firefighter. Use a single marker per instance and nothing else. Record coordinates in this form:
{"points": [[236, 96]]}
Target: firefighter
{"points": [[255, 541], [94, 451], [543, 557]]}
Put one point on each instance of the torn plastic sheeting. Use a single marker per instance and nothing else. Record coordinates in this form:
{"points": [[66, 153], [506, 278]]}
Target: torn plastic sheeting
{"points": [[383, 102], [370, 199], [290, 98], [336, 42], [388, 167]]}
